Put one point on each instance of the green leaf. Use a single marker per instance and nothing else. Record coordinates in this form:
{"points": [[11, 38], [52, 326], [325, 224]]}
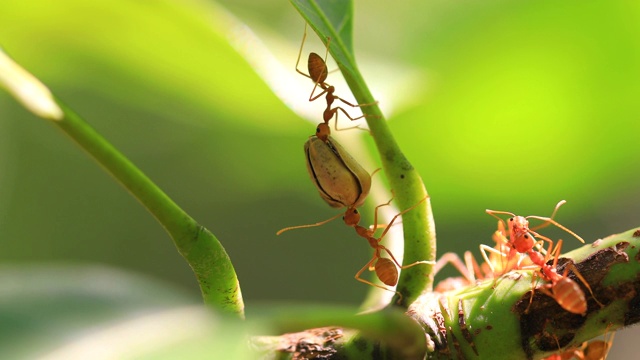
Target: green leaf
{"points": [[67, 311]]}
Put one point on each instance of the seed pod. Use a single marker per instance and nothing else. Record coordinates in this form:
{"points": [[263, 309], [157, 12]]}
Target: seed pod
{"points": [[340, 180]]}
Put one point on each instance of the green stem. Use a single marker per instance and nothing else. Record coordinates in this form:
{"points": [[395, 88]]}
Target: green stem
{"points": [[201, 249], [409, 189], [333, 20]]}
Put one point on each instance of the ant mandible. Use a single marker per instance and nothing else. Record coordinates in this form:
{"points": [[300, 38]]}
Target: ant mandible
{"points": [[318, 72]]}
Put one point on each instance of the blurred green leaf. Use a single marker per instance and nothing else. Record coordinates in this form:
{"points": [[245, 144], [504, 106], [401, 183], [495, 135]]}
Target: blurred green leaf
{"points": [[183, 49], [73, 311]]}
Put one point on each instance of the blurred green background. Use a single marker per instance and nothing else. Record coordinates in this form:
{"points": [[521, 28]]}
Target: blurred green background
{"points": [[507, 105]]}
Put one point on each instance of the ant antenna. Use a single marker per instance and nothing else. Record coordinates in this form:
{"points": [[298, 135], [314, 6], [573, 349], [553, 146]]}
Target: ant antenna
{"points": [[308, 226]]}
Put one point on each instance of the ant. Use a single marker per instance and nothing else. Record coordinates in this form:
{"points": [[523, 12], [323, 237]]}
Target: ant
{"points": [[351, 216], [471, 270], [318, 72], [597, 349], [385, 268], [588, 350], [521, 239], [562, 289], [339, 178]]}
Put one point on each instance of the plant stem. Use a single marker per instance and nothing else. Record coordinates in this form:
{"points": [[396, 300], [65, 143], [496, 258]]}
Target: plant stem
{"points": [[334, 20], [201, 249]]}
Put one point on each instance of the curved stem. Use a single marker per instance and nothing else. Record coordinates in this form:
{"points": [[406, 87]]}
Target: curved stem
{"points": [[405, 181], [201, 249]]}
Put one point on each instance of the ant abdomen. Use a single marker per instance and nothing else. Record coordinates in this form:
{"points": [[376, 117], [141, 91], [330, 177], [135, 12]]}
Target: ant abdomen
{"points": [[569, 296], [386, 271]]}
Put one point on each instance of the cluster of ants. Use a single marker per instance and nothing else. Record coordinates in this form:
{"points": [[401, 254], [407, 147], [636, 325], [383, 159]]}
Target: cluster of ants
{"points": [[343, 183], [520, 247]]}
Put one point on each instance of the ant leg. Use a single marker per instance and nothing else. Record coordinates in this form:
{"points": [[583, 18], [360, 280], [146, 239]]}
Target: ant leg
{"points": [[335, 111], [304, 37], [307, 226], [376, 225], [582, 279], [543, 289], [484, 249], [381, 247], [549, 252], [557, 342], [354, 105], [325, 71], [556, 252], [314, 98], [375, 213], [400, 214], [369, 266], [454, 260], [502, 244], [315, 63], [473, 268]]}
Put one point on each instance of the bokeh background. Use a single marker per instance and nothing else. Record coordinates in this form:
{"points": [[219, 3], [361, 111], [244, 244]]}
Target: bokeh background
{"points": [[506, 105]]}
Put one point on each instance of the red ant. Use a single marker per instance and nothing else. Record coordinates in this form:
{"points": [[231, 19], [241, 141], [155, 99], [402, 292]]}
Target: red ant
{"points": [[351, 216], [472, 271], [597, 349], [385, 268], [562, 289], [521, 240], [339, 178], [588, 350], [318, 73]]}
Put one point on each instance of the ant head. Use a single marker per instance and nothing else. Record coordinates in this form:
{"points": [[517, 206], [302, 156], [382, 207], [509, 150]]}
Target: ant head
{"points": [[518, 224], [351, 217], [323, 131]]}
